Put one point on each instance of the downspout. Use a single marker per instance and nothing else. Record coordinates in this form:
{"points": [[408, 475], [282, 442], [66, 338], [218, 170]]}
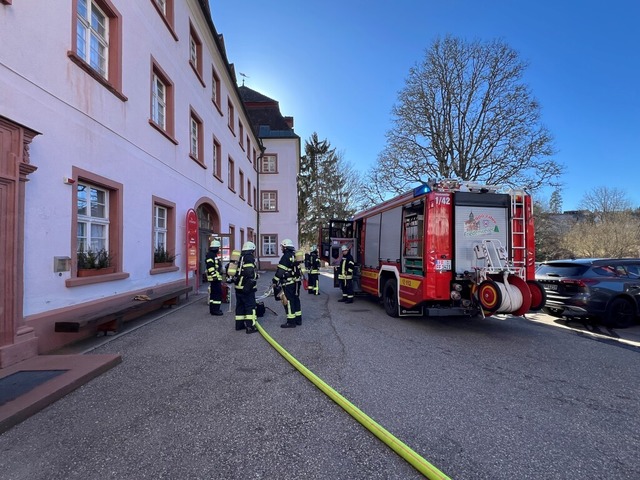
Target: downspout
{"points": [[258, 197]]}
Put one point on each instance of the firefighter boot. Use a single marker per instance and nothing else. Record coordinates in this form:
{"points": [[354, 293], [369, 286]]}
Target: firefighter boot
{"points": [[288, 325]]}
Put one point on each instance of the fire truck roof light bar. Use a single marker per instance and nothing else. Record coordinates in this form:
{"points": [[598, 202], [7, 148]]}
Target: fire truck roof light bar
{"points": [[451, 185]]}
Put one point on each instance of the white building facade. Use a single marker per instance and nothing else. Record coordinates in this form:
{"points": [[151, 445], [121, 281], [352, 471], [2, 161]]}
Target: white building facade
{"points": [[279, 166], [119, 119]]}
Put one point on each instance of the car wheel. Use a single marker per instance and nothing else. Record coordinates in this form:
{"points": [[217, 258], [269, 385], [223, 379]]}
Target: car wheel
{"points": [[390, 298], [621, 313], [554, 312]]}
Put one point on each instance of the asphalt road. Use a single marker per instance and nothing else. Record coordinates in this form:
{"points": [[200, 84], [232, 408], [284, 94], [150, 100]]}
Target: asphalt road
{"points": [[499, 398]]}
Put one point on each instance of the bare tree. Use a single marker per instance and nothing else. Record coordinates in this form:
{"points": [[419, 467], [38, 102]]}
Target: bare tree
{"points": [[614, 237], [465, 113], [603, 202], [609, 229]]}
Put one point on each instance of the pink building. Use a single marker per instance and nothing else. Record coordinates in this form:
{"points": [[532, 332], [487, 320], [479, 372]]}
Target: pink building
{"points": [[118, 120]]}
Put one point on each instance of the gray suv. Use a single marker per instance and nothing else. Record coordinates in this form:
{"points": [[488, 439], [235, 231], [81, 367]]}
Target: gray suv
{"points": [[606, 289]]}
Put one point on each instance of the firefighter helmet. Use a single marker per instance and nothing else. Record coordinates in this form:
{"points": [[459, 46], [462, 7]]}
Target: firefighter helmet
{"points": [[248, 246], [214, 244], [314, 248], [344, 248], [287, 243]]}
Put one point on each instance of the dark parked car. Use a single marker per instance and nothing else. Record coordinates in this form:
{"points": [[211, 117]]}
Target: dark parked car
{"points": [[606, 289]]}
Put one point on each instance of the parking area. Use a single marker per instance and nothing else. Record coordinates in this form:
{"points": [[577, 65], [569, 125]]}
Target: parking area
{"points": [[629, 336]]}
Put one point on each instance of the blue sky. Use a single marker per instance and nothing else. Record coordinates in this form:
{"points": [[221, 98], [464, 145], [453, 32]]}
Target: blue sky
{"points": [[337, 67]]}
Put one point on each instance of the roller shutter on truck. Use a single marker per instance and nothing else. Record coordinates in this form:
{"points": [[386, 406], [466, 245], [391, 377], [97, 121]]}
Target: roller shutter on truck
{"points": [[478, 217]]}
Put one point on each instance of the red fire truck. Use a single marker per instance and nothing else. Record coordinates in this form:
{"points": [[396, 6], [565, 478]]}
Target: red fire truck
{"points": [[445, 248]]}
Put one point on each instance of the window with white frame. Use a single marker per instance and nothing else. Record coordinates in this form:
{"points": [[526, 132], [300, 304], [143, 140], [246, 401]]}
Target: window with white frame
{"points": [[159, 102], [160, 228], [162, 114], [92, 36], [269, 245], [217, 159], [215, 88], [93, 218], [231, 116], [196, 139], [269, 201], [269, 164], [231, 174]]}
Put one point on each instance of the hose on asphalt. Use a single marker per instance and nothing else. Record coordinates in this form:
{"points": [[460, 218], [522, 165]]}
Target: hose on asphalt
{"points": [[419, 463]]}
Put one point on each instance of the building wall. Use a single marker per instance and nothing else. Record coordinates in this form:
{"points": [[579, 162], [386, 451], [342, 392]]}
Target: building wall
{"points": [[284, 221], [86, 127]]}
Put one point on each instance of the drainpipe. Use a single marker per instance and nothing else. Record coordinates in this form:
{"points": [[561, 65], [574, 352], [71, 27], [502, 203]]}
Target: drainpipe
{"points": [[257, 200]]}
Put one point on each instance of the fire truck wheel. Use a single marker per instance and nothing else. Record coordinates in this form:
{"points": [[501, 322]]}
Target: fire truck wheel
{"points": [[489, 296], [390, 298], [538, 295]]}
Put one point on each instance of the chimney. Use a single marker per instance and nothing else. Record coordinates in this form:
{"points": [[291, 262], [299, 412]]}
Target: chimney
{"points": [[289, 122]]}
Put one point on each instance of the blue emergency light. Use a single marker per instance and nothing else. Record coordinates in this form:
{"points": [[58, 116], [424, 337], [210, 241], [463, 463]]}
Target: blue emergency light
{"points": [[421, 190]]}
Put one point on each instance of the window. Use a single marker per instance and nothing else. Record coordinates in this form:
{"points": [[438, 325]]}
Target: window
{"points": [[241, 183], [93, 218], [248, 148], [162, 117], [231, 175], [165, 9], [249, 192], [97, 42], [217, 159], [196, 146], [159, 102], [164, 227], [160, 228], [195, 53], [269, 245], [215, 89], [97, 226], [231, 117], [269, 201], [93, 36], [255, 164], [269, 164], [255, 198], [240, 134]]}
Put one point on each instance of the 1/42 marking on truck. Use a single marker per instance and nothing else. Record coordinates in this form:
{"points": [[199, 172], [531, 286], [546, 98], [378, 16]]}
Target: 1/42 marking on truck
{"points": [[407, 282], [443, 200]]}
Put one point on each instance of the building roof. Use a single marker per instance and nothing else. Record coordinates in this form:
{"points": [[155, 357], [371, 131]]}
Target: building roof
{"points": [[264, 114]]}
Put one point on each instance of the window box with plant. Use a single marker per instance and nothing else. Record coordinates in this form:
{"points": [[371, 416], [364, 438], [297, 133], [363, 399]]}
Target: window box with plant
{"points": [[95, 262], [162, 258]]}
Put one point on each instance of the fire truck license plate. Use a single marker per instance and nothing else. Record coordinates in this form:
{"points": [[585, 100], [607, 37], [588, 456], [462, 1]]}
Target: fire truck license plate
{"points": [[443, 264]]}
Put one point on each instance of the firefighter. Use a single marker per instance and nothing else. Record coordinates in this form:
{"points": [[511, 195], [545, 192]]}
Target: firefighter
{"points": [[245, 281], [214, 277], [285, 286], [314, 270], [345, 275]]}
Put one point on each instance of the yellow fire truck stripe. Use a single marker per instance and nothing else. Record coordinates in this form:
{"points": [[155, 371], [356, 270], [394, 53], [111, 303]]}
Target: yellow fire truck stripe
{"points": [[419, 463]]}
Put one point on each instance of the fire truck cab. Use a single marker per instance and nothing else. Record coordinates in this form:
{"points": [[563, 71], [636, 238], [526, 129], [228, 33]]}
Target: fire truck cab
{"points": [[444, 248]]}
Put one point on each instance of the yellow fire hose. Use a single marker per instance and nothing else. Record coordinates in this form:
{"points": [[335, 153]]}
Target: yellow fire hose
{"points": [[419, 463]]}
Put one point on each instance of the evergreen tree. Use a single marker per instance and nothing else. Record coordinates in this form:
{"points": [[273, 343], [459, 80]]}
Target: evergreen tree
{"points": [[555, 202], [328, 188]]}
